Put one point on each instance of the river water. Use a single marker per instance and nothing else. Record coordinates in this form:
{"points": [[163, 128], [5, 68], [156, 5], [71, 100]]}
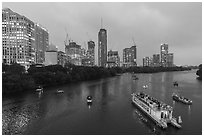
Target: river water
{"points": [[111, 111]]}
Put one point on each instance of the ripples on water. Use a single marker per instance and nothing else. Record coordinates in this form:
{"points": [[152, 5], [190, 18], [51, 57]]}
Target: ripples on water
{"points": [[15, 120], [111, 111]]}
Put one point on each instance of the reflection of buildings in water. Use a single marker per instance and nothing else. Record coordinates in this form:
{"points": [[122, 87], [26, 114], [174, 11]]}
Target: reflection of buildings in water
{"points": [[163, 77], [104, 90], [118, 83], [150, 77], [136, 88], [84, 91], [163, 92], [111, 87], [169, 77]]}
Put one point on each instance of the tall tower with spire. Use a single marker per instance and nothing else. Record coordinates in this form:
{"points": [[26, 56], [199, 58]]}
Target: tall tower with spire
{"points": [[102, 46]]}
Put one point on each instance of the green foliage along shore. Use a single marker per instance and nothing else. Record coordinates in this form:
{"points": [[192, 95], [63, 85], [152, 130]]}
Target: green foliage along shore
{"points": [[16, 80], [199, 72]]}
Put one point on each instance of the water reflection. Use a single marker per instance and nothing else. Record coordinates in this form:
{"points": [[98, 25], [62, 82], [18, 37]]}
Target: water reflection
{"points": [[69, 113], [146, 122]]}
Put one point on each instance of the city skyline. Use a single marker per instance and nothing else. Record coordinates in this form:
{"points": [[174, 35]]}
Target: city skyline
{"points": [[150, 24]]}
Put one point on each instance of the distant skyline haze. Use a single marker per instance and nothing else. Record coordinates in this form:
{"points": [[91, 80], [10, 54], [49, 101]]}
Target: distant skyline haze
{"points": [[150, 24]]}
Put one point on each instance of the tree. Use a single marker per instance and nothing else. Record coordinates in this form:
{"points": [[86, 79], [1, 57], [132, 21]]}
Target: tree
{"points": [[199, 72]]}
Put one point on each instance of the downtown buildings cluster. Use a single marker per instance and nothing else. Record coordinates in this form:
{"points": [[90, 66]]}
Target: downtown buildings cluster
{"points": [[164, 59], [27, 43]]}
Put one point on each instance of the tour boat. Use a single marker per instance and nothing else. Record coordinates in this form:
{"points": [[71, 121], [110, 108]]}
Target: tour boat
{"points": [[158, 111], [89, 99], [39, 89], [60, 91], [182, 99]]}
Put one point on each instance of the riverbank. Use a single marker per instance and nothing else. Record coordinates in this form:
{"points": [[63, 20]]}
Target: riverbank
{"points": [[199, 72], [60, 114], [15, 80]]}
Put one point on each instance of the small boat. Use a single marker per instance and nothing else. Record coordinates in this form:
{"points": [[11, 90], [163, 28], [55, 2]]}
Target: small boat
{"points": [[89, 99], [175, 83], [39, 89], [182, 99], [60, 91], [179, 120], [145, 86]]}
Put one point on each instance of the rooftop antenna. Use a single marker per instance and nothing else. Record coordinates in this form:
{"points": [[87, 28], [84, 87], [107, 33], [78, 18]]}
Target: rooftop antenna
{"points": [[66, 42], [134, 42]]}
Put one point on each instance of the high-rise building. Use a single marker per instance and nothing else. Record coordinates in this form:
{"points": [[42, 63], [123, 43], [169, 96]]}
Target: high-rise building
{"points": [[156, 60], [164, 54], [74, 51], [130, 56], [18, 39], [147, 62], [91, 52], [113, 59], [102, 48], [62, 58], [41, 43], [89, 58], [170, 58]]}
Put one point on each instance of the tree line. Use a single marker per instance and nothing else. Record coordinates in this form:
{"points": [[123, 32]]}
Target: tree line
{"points": [[15, 79], [199, 72]]}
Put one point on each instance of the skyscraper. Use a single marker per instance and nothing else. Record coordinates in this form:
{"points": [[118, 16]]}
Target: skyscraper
{"points": [[113, 59], [41, 42], [102, 48], [18, 39], [74, 51], [170, 58], [91, 52], [130, 56], [156, 60], [164, 54], [147, 62]]}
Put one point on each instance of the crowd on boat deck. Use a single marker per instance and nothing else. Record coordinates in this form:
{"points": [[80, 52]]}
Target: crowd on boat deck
{"points": [[152, 100]]}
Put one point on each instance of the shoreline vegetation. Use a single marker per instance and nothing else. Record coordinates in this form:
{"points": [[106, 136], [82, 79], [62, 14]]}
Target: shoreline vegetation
{"points": [[199, 72], [15, 80]]}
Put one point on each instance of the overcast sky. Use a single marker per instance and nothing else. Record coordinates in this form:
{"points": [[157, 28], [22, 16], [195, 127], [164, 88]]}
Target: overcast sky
{"points": [[150, 24]]}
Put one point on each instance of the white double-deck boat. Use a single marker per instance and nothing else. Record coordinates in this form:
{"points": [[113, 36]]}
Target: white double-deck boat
{"points": [[158, 111]]}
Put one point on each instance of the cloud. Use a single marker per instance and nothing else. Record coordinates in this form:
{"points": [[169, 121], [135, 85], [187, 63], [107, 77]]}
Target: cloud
{"points": [[179, 24]]}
